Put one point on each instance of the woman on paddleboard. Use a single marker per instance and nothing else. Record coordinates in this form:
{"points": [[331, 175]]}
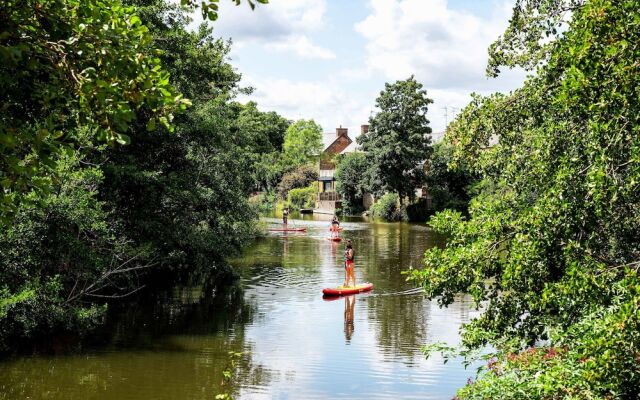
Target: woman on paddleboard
{"points": [[285, 215], [335, 224], [349, 264]]}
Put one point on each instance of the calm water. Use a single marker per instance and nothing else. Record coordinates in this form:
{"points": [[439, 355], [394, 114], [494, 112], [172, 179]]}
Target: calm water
{"points": [[294, 344]]}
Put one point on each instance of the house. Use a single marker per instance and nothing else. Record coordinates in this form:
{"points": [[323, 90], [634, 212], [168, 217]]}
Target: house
{"points": [[340, 143]]}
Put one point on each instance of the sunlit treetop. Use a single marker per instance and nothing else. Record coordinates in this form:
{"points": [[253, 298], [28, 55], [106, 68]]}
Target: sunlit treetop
{"points": [[210, 8]]}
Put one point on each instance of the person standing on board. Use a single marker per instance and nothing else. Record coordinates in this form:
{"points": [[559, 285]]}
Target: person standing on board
{"points": [[335, 225], [349, 264], [285, 216]]}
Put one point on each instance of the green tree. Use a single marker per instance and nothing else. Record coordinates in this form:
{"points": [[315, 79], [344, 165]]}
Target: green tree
{"points": [[209, 8], [302, 143], [184, 194], [266, 131], [399, 139], [116, 214], [66, 64], [552, 243], [351, 180], [450, 186], [300, 177], [59, 259]]}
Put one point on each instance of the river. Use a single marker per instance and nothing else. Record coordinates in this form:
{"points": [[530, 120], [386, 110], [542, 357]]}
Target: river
{"points": [[293, 343]]}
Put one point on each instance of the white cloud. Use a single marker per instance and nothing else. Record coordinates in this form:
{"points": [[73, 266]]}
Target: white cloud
{"points": [[326, 102], [302, 46], [282, 25], [445, 49], [441, 46]]}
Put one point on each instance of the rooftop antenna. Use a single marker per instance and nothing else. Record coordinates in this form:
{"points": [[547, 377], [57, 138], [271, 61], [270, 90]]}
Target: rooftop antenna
{"points": [[446, 109], [446, 116]]}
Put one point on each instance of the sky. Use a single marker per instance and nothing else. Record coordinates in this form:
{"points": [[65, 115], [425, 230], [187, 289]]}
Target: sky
{"points": [[328, 60]]}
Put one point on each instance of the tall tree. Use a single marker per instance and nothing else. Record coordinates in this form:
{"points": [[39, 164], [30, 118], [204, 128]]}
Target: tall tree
{"points": [[183, 194], [302, 143], [351, 180], [399, 138], [552, 244], [266, 132]]}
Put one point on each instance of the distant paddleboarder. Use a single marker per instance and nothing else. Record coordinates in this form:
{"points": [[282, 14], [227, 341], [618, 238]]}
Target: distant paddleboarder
{"points": [[285, 215], [335, 225]]}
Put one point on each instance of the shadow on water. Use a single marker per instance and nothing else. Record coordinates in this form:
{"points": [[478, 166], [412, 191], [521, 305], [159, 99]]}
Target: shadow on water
{"points": [[167, 345]]}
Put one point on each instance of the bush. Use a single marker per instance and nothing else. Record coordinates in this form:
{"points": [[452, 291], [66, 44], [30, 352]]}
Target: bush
{"points": [[264, 202], [387, 208], [300, 177], [418, 211], [303, 198]]}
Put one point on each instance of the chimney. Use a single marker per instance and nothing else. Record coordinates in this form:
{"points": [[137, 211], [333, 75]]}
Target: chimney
{"points": [[364, 129], [341, 131]]}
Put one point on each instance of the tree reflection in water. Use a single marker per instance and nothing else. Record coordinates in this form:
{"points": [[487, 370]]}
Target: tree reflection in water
{"points": [[166, 346]]}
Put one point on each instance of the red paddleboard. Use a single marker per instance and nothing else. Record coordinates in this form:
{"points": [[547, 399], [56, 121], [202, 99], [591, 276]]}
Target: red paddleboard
{"points": [[335, 239], [288, 230], [342, 291]]}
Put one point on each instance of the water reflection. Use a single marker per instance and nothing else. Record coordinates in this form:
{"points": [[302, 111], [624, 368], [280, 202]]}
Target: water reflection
{"points": [[349, 306], [174, 345], [295, 344]]}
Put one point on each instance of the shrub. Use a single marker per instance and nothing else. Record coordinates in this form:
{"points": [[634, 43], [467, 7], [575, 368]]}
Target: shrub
{"points": [[304, 197], [264, 202], [418, 211], [300, 177], [387, 208]]}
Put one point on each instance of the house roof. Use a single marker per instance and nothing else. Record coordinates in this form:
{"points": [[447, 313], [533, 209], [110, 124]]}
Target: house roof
{"points": [[329, 138], [336, 144]]}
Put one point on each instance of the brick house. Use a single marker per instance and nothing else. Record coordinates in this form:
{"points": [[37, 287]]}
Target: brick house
{"points": [[328, 199]]}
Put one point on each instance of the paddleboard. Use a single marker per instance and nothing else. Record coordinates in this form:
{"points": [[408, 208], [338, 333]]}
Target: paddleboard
{"points": [[335, 239], [342, 291], [288, 230]]}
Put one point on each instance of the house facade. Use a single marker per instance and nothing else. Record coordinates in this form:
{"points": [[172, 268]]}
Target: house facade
{"points": [[328, 198]]}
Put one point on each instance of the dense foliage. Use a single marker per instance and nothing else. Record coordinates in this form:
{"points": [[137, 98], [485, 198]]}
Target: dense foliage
{"points": [[302, 143], [450, 187], [351, 181], [174, 198], [300, 177], [66, 64], [399, 140], [265, 131], [183, 194], [303, 197], [388, 208], [551, 246]]}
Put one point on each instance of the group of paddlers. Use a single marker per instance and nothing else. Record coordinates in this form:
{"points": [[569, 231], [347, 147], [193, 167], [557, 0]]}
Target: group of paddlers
{"points": [[349, 254]]}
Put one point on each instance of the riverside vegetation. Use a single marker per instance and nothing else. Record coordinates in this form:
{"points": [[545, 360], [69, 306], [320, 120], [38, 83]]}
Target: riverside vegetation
{"points": [[551, 247], [122, 162], [109, 175]]}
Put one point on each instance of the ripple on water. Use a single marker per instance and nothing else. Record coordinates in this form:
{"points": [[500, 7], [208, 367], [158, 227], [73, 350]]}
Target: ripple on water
{"points": [[296, 345]]}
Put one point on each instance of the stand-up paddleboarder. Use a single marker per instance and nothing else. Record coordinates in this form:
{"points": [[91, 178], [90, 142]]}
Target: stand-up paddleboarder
{"points": [[349, 264]]}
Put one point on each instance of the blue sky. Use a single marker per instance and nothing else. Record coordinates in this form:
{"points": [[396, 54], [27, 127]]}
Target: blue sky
{"points": [[329, 59]]}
